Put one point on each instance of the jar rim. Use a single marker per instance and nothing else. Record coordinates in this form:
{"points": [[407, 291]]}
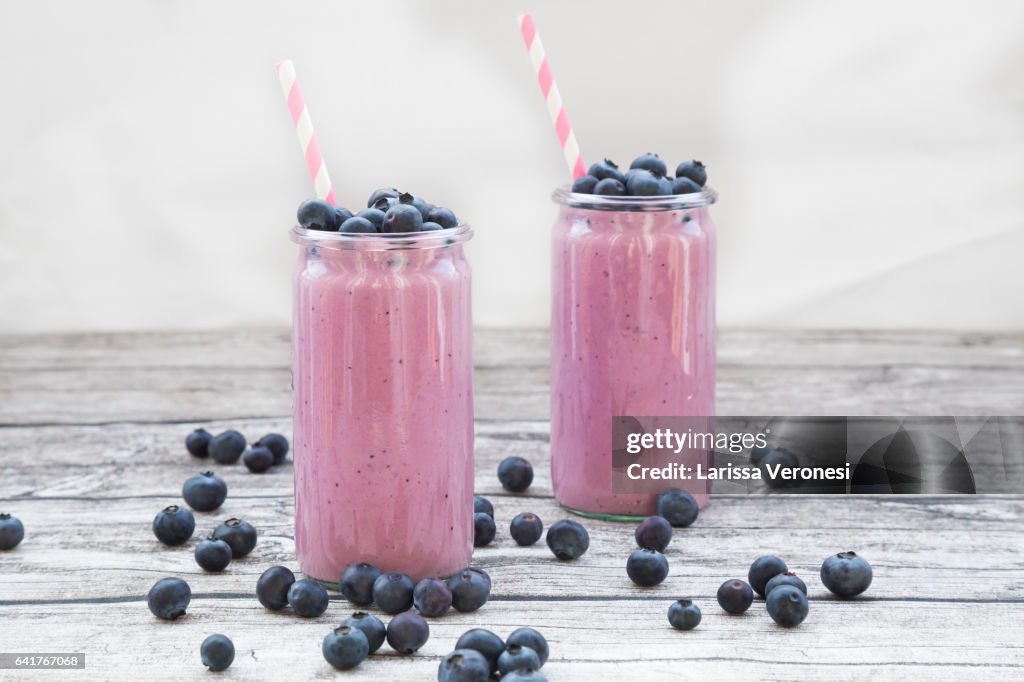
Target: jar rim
{"points": [[398, 241], [566, 197]]}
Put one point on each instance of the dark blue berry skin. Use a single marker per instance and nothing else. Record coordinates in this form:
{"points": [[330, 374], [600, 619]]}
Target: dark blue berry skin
{"points": [[432, 597], [646, 567], [585, 184], [197, 443], [273, 586], [12, 532], [258, 459], [524, 675], [606, 169], [526, 529], [443, 217], [358, 225], [407, 632], [430, 227], [735, 596], [610, 187], [205, 492], [357, 583], [685, 186], [846, 574], [515, 474], [277, 444], [776, 458], [168, 598], [684, 615], [786, 578], [213, 555], [485, 642], [787, 606], [568, 540], [307, 598], [652, 163], [372, 627], [678, 507], [664, 186], [482, 504], [382, 193], [227, 447], [483, 529], [374, 215], [345, 647], [174, 525], [529, 637], [516, 657], [240, 536], [217, 652], [341, 214], [464, 665], [694, 170], [421, 204], [470, 588], [764, 569], [384, 204], [654, 532], [314, 214], [402, 218], [393, 592], [643, 183]]}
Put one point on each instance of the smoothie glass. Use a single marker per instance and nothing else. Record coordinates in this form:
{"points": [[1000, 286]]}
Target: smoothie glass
{"points": [[632, 333], [383, 402]]}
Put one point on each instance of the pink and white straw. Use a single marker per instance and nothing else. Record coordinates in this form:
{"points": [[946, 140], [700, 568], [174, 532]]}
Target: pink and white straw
{"points": [[304, 129], [559, 117]]}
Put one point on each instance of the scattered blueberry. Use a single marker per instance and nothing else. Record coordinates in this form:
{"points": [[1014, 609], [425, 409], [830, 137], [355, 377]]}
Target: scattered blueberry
{"points": [[654, 532], [430, 227], [779, 458], [213, 555], [307, 598], [382, 193], [678, 507], [846, 574], [694, 170], [341, 214], [402, 218], [197, 442], [374, 215], [485, 642], [471, 588], [174, 525], [421, 205], [651, 163], [606, 169], [240, 535], [432, 597], [515, 474], [168, 598], [314, 214], [568, 539], [443, 217], [483, 529], [646, 567], [683, 614], [787, 606], [205, 492], [345, 647], [764, 569], [217, 652], [643, 183], [407, 632], [664, 186], [585, 184], [529, 637], [524, 675], [786, 578], [482, 504], [11, 531], [258, 459], [464, 665], [516, 657], [683, 185], [358, 225], [357, 583], [526, 529], [610, 187], [227, 447], [372, 627], [735, 596], [385, 203], [393, 592], [273, 586], [277, 444]]}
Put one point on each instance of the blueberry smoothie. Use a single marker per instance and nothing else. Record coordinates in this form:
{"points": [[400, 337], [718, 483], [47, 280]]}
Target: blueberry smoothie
{"points": [[633, 320], [383, 397]]}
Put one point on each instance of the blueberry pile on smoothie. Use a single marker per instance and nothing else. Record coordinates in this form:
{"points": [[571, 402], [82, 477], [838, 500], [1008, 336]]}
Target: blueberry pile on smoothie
{"points": [[388, 211], [647, 177]]}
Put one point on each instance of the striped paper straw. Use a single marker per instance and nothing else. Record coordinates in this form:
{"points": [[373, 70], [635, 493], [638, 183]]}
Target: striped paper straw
{"points": [[559, 117], [304, 129]]}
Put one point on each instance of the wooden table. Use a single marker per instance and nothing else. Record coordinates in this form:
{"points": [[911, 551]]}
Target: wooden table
{"points": [[91, 430]]}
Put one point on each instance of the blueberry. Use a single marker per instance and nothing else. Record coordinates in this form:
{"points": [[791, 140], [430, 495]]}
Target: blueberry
{"points": [[568, 539], [464, 665], [529, 637], [678, 507], [277, 444], [775, 459], [606, 169], [205, 492], [372, 627], [483, 529], [654, 532], [524, 675], [168, 598], [644, 183], [683, 614], [308, 598], [584, 184], [384, 204], [526, 529], [174, 525], [314, 214], [764, 569], [610, 187], [382, 193], [786, 578], [227, 447], [374, 215], [758, 452], [197, 443], [357, 583], [735, 596], [345, 647], [258, 459], [393, 592], [273, 585], [482, 504], [443, 217], [485, 642], [515, 474], [646, 567], [516, 657], [11, 531], [684, 186], [240, 536], [846, 574], [421, 204], [341, 214], [651, 163], [787, 606], [402, 218], [213, 555], [664, 186], [432, 597], [694, 170], [407, 632], [358, 225], [471, 588], [217, 652]]}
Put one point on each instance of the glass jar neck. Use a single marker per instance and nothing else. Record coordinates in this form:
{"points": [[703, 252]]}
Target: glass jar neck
{"points": [[407, 241], [673, 202]]}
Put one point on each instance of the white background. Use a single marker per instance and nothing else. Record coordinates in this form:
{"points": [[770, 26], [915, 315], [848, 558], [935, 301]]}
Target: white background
{"points": [[869, 155]]}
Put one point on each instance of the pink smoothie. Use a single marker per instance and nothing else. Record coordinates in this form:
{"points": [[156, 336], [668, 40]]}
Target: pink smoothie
{"points": [[383, 407], [633, 333]]}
